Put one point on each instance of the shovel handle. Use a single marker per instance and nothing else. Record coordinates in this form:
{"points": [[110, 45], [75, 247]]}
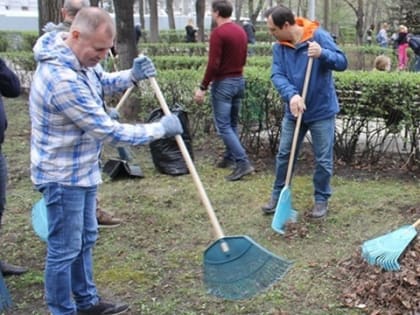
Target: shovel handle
{"points": [[124, 98], [298, 122], [210, 211], [417, 223]]}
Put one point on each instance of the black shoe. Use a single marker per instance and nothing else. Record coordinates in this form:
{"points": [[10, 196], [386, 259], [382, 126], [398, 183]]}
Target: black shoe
{"points": [[11, 270], [319, 210], [270, 207], [225, 163], [240, 171], [104, 308]]}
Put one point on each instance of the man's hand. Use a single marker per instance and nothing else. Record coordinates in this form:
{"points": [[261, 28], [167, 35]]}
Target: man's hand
{"points": [[199, 96], [314, 50], [297, 105], [143, 68], [171, 125]]}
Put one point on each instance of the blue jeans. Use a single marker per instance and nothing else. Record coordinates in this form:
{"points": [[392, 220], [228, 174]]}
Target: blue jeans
{"points": [[322, 133], [72, 233], [226, 96]]}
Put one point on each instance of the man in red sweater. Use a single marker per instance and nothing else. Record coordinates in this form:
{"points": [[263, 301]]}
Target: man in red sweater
{"points": [[227, 58]]}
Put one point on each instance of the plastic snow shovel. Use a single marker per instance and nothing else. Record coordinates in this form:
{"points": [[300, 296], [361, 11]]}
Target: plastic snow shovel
{"points": [[384, 251], [284, 211], [234, 267]]}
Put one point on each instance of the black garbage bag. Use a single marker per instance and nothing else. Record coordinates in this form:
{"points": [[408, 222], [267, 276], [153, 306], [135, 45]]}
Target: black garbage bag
{"points": [[166, 155]]}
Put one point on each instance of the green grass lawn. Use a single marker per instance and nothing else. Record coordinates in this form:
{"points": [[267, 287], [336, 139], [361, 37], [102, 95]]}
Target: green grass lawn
{"points": [[153, 261]]}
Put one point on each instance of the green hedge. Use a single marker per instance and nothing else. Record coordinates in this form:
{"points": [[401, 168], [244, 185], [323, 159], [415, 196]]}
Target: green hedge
{"points": [[380, 105]]}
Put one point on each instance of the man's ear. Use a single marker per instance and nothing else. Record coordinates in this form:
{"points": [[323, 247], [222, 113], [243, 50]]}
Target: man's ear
{"points": [[75, 34]]}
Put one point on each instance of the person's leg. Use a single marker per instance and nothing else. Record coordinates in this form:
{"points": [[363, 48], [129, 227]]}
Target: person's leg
{"points": [[83, 287], [5, 268], [71, 235], [323, 133], [222, 94], [282, 160]]}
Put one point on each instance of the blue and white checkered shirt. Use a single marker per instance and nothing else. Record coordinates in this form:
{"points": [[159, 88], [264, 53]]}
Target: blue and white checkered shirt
{"points": [[69, 121]]}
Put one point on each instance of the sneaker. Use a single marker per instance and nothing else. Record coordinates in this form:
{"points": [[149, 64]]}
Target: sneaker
{"points": [[107, 220], [104, 308], [270, 207], [225, 163], [319, 210], [240, 171]]}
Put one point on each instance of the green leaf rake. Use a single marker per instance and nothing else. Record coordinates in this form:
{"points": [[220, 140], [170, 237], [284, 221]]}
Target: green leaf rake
{"points": [[384, 251], [234, 267]]}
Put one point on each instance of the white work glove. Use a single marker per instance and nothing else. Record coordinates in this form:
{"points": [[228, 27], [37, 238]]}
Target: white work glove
{"points": [[171, 125], [143, 68]]}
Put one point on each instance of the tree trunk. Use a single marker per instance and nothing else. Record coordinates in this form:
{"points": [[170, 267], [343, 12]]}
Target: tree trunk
{"points": [[200, 8], [327, 14], [238, 9], [254, 13], [154, 21], [48, 11], [170, 13], [141, 15], [126, 40], [94, 3]]}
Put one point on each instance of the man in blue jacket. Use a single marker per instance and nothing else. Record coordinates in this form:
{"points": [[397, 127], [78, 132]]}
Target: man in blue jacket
{"points": [[9, 87], [299, 39]]}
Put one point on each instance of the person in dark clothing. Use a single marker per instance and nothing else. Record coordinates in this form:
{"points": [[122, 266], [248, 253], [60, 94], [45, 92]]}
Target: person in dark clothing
{"points": [[137, 30], [9, 87], [191, 32], [250, 34]]}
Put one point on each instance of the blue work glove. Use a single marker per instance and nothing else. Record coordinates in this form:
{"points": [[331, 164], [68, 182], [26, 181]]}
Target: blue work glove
{"points": [[171, 125], [113, 113], [143, 68]]}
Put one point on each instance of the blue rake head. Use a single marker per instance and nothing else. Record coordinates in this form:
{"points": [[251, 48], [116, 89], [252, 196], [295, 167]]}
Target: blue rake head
{"points": [[384, 251], [242, 272], [284, 211], [39, 219]]}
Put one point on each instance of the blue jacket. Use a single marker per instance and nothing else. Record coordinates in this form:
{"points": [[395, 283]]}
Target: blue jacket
{"points": [[289, 68], [9, 87]]}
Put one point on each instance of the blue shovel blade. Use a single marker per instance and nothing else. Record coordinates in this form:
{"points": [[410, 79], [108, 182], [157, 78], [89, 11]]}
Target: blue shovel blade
{"points": [[40, 220], [284, 211]]}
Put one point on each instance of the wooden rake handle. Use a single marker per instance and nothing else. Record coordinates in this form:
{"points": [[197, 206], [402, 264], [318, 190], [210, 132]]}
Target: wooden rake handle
{"points": [[210, 211], [417, 223], [298, 122]]}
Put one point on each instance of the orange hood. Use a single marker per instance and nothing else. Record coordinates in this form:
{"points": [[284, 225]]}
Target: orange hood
{"points": [[309, 27]]}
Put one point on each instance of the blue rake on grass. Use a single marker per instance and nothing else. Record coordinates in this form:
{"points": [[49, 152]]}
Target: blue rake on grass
{"points": [[234, 267], [284, 212], [384, 251], [39, 219]]}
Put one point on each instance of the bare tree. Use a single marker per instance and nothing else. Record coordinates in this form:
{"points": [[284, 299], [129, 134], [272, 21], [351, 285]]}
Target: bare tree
{"points": [[238, 9], [200, 9], [326, 14], [48, 11], [126, 42], [154, 21], [170, 13], [141, 14], [358, 11], [253, 14]]}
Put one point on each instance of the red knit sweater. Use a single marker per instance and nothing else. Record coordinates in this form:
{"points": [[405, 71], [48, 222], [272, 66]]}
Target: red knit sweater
{"points": [[227, 53]]}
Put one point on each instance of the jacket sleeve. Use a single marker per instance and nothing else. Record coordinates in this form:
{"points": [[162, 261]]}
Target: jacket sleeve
{"points": [[279, 77], [332, 56], [9, 82]]}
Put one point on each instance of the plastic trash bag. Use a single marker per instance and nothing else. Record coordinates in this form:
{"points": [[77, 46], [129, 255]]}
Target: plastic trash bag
{"points": [[166, 155]]}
